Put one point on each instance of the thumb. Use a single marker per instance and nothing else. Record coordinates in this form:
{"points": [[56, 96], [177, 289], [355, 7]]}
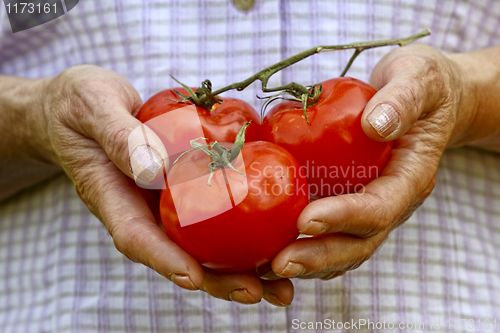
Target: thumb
{"points": [[394, 109], [135, 149], [148, 157], [409, 81], [132, 146]]}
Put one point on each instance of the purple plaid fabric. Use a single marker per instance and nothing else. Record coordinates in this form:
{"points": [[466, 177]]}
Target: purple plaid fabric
{"points": [[59, 271]]}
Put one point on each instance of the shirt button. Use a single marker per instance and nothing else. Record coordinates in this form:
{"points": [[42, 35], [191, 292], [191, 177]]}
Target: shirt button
{"points": [[243, 4]]}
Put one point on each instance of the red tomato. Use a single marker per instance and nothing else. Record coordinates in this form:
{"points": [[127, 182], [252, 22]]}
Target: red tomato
{"points": [[336, 155], [221, 124], [237, 223]]}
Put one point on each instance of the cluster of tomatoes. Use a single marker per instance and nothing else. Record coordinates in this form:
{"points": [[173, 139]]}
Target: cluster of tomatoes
{"points": [[249, 211]]}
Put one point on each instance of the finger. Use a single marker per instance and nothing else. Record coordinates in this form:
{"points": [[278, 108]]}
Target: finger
{"points": [[134, 148], [152, 199], [130, 222], [279, 292], [385, 202], [246, 288], [265, 272], [332, 275], [241, 287], [326, 256], [411, 82], [148, 157]]}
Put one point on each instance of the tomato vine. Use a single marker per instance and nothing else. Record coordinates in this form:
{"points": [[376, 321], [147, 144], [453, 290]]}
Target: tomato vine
{"points": [[307, 95]]}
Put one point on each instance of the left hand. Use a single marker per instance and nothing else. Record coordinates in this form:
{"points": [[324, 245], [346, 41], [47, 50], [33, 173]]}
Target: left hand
{"points": [[83, 123], [419, 89]]}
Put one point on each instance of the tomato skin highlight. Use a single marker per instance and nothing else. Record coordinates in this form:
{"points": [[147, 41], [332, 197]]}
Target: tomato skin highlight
{"points": [[242, 236], [337, 154], [221, 124]]}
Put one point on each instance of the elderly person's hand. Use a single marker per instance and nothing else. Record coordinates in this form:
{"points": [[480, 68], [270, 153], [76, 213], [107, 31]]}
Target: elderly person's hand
{"points": [[81, 120], [426, 102]]}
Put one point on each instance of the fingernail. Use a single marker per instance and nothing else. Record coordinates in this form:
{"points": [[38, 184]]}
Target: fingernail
{"points": [[182, 281], [242, 296], [293, 269], [266, 273], [145, 163], [274, 300], [384, 119], [315, 228]]}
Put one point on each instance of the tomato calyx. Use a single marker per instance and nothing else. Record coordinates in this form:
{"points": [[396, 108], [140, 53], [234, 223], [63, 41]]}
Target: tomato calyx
{"points": [[307, 98], [220, 155], [203, 96]]}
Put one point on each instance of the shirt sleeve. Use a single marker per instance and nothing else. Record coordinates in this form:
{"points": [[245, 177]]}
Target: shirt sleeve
{"points": [[13, 180]]}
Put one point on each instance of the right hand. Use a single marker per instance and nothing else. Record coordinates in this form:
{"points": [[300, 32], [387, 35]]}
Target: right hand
{"points": [[418, 105], [83, 125]]}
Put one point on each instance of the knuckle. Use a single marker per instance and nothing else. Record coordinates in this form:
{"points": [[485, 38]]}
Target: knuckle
{"points": [[428, 190], [356, 263], [88, 188], [115, 139], [417, 202], [77, 70], [364, 252], [81, 190], [80, 80], [322, 252], [84, 195], [378, 226], [401, 61], [332, 275], [74, 94], [421, 187], [377, 208], [123, 240], [87, 96], [408, 212], [411, 61], [127, 238], [431, 81], [430, 187], [433, 72], [409, 99], [320, 249]]}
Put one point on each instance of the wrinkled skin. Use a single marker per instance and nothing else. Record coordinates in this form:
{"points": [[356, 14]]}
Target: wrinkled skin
{"points": [[425, 89], [80, 120], [82, 123]]}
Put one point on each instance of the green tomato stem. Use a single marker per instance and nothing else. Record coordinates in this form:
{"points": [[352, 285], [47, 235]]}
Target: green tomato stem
{"points": [[206, 98], [220, 156]]}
